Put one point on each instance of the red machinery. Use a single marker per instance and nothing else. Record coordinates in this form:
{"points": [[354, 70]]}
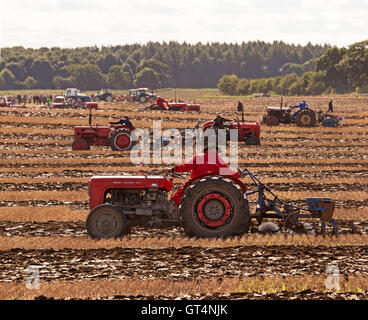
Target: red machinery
{"points": [[162, 104], [117, 136], [249, 132], [2, 102], [211, 205]]}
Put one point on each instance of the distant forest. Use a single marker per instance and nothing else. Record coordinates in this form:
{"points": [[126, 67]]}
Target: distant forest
{"points": [[153, 65]]}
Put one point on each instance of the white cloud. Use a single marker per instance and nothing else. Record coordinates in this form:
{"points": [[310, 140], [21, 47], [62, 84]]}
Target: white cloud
{"points": [[72, 23]]}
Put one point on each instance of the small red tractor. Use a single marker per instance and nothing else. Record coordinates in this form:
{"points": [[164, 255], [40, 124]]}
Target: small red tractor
{"points": [[2, 102], [117, 136], [249, 132], [162, 104], [211, 205], [303, 116]]}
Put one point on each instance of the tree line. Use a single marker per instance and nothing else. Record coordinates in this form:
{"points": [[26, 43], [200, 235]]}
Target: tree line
{"points": [[154, 65], [338, 70]]}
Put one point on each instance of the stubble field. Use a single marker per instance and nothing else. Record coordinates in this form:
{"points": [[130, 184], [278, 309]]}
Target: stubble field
{"points": [[44, 204]]}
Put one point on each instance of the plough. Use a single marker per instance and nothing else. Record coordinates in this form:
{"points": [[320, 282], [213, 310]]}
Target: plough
{"points": [[287, 212]]}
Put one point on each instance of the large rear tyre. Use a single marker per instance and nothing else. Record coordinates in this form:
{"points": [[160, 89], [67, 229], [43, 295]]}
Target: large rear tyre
{"points": [[80, 144], [306, 118], [120, 140], [109, 99], [106, 221], [214, 207]]}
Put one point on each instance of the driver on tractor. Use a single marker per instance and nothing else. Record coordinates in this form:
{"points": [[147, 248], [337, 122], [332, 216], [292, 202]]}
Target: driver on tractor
{"points": [[207, 163], [302, 105], [124, 121]]}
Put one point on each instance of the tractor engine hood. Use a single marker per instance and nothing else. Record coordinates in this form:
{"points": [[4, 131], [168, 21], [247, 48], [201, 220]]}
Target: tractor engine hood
{"points": [[99, 184]]}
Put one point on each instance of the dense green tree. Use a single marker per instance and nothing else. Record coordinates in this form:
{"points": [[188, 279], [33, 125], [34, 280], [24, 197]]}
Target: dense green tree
{"points": [[228, 84], [30, 83], [147, 78], [87, 77], [7, 79], [43, 72], [117, 78], [197, 65], [162, 69], [354, 63]]}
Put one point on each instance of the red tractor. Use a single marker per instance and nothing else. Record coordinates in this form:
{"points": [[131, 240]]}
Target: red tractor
{"points": [[209, 205], [162, 104], [117, 136], [3, 102], [249, 132]]}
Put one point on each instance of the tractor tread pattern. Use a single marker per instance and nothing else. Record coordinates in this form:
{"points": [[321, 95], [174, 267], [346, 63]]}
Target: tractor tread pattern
{"points": [[190, 227]]}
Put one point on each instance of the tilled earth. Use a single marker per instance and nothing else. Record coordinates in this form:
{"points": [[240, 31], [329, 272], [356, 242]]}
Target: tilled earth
{"points": [[77, 229], [178, 264]]}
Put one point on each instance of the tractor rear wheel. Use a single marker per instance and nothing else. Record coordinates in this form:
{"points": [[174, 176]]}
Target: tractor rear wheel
{"points": [[109, 98], [272, 121], [305, 118], [106, 221], [120, 140], [214, 207], [80, 144]]}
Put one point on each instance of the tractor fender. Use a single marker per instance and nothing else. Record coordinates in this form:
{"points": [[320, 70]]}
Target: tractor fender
{"points": [[176, 198]]}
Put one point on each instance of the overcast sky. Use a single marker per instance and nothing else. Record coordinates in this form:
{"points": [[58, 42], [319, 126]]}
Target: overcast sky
{"points": [[76, 23]]}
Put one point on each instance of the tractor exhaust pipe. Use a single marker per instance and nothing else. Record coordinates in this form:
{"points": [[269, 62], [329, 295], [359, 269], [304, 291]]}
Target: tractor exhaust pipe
{"points": [[242, 115], [90, 117]]}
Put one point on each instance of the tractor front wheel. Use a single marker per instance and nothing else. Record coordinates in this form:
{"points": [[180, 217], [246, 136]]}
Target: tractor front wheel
{"points": [[120, 140], [80, 144], [142, 99], [106, 221], [214, 207]]}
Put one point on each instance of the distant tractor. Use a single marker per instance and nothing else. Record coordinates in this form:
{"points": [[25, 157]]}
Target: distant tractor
{"points": [[303, 117], [104, 95], [2, 102], [76, 95], [162, 104], [117, 136], [248, 132], [62, 102], [141, 95]]}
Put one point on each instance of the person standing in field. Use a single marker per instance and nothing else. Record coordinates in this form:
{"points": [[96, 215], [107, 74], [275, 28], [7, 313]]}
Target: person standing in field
{"points": [[240, 106], [48, 101], [330, 107]]}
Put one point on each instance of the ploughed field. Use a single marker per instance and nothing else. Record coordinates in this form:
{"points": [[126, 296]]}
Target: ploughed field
{"points": [[44, 205]]}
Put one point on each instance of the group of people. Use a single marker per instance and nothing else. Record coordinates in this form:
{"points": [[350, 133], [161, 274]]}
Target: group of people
{"points": [[23, 99]]}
